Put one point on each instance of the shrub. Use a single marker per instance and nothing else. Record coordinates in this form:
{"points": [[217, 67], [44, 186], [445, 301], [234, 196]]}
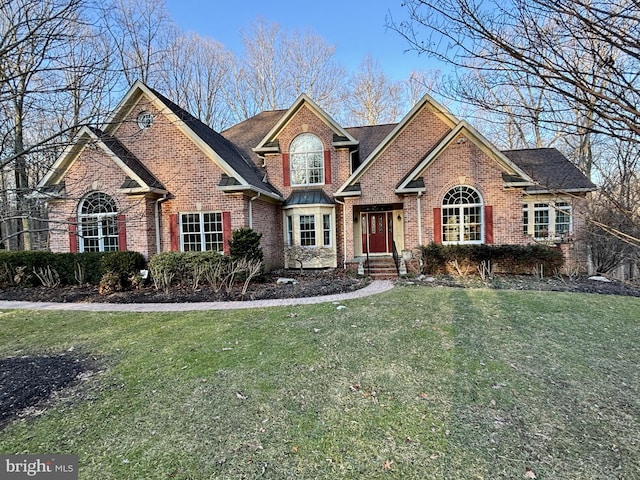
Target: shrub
{"points": [[513, 259], [124, 264], [71, 268], [166, 267], [201, 266], [110, 283], [245, 243]]}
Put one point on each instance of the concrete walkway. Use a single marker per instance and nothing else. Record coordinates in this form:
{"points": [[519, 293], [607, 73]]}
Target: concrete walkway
{"points": [[377, 286]]}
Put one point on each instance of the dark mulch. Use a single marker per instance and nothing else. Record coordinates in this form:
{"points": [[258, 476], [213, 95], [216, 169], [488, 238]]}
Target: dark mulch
{"points": [[307, 284], [29, 381], [576, 284]]}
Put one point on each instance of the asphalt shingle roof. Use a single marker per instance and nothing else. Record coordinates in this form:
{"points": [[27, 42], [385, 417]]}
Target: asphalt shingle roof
{"points": [[550, 169]]}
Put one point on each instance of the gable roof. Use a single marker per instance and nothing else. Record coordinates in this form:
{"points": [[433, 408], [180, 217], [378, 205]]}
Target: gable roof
{"points": [[341, 136], [138, 179], [242, 167], [369, 137], [410, 182], [212, 144], [129, 159], [427, 101], [550, 170]]}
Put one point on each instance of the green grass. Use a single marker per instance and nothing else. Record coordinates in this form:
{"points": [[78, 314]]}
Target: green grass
{"points": [[414, 383]]}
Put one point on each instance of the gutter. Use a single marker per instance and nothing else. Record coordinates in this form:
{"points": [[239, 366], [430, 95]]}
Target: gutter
{"points": [[160, 200], [251, 209], [344, 235]]}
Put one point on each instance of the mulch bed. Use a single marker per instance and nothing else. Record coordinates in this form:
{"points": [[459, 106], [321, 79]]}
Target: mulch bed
{"points": [[30, 381], [578, 284], [307, 284]]}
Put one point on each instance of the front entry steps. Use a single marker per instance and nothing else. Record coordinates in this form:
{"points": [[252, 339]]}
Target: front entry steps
{"points": [[381, 268]]}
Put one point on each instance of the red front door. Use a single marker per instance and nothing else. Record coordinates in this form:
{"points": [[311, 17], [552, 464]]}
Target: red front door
{"points": [[377, 232]]}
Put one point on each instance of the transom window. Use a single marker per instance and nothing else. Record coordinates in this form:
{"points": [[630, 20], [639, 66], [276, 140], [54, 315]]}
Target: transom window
{"points": [[306, 159], [98, 219], [548, 220], [201, 231], [462, 216]]}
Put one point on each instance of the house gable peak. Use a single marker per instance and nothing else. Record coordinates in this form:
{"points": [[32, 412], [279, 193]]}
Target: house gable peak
{"points": [[341, 138]]}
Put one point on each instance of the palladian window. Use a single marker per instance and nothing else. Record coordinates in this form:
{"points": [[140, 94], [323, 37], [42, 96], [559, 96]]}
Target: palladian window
{"points": [[462, 216], [306, 160], [98, 223]]}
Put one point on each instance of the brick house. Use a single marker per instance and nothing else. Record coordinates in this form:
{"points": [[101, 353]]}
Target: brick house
{"points": [[154, 178]]}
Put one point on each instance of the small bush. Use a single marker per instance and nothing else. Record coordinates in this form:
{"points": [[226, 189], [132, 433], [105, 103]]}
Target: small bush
{"points": [[48, 276], [110, 283], [124, 264], [201, 266], [165, 268], [245, 243]]}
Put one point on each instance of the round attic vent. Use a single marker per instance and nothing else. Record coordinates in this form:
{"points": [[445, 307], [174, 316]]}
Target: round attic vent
{"points": [[145, 120]]}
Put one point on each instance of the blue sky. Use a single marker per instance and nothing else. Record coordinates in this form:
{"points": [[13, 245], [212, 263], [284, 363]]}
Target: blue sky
{"points": [[356, 27]]}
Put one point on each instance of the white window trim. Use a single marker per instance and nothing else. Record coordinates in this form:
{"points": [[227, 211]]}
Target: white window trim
{"points": [[99, 219], [307, 169], [202, 232], [324, 230], [314, 230], [552, 207], [318, 212], [461, 216]]}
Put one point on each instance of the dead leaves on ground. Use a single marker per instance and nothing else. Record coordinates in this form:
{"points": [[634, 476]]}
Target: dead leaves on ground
{"points": [[368, 392]]}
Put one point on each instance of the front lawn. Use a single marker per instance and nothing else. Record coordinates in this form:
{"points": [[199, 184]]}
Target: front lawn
{"points": [[415, 383]]}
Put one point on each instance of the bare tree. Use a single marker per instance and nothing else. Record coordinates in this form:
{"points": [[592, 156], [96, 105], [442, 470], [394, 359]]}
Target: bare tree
{"points": [[312, 69], [586, 51], [141, 33], [418, 83], [32, 36], [275, 67], [371, 96]]}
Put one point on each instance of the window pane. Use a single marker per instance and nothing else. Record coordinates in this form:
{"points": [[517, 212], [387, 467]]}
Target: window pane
{"points": [[450, 225], [212, 226], [289, 230], [202, 231], [462, 215], [326, 230], [563, 218], [307, 231], [541, 220], [525, 219], [98, 223], [306, 160]]}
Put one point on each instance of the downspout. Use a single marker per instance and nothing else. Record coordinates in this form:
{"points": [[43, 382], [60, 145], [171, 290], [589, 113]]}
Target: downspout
{"points": [[164, 198], [251, 209], [419, 209], [344, 235]]}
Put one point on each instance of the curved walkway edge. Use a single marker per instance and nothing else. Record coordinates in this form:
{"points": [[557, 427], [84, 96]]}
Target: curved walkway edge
{"points": [[377, 286]]}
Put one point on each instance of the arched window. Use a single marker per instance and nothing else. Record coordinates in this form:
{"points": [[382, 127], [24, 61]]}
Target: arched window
{"points": [[306, 160], [98, 219], [462, 216]]}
